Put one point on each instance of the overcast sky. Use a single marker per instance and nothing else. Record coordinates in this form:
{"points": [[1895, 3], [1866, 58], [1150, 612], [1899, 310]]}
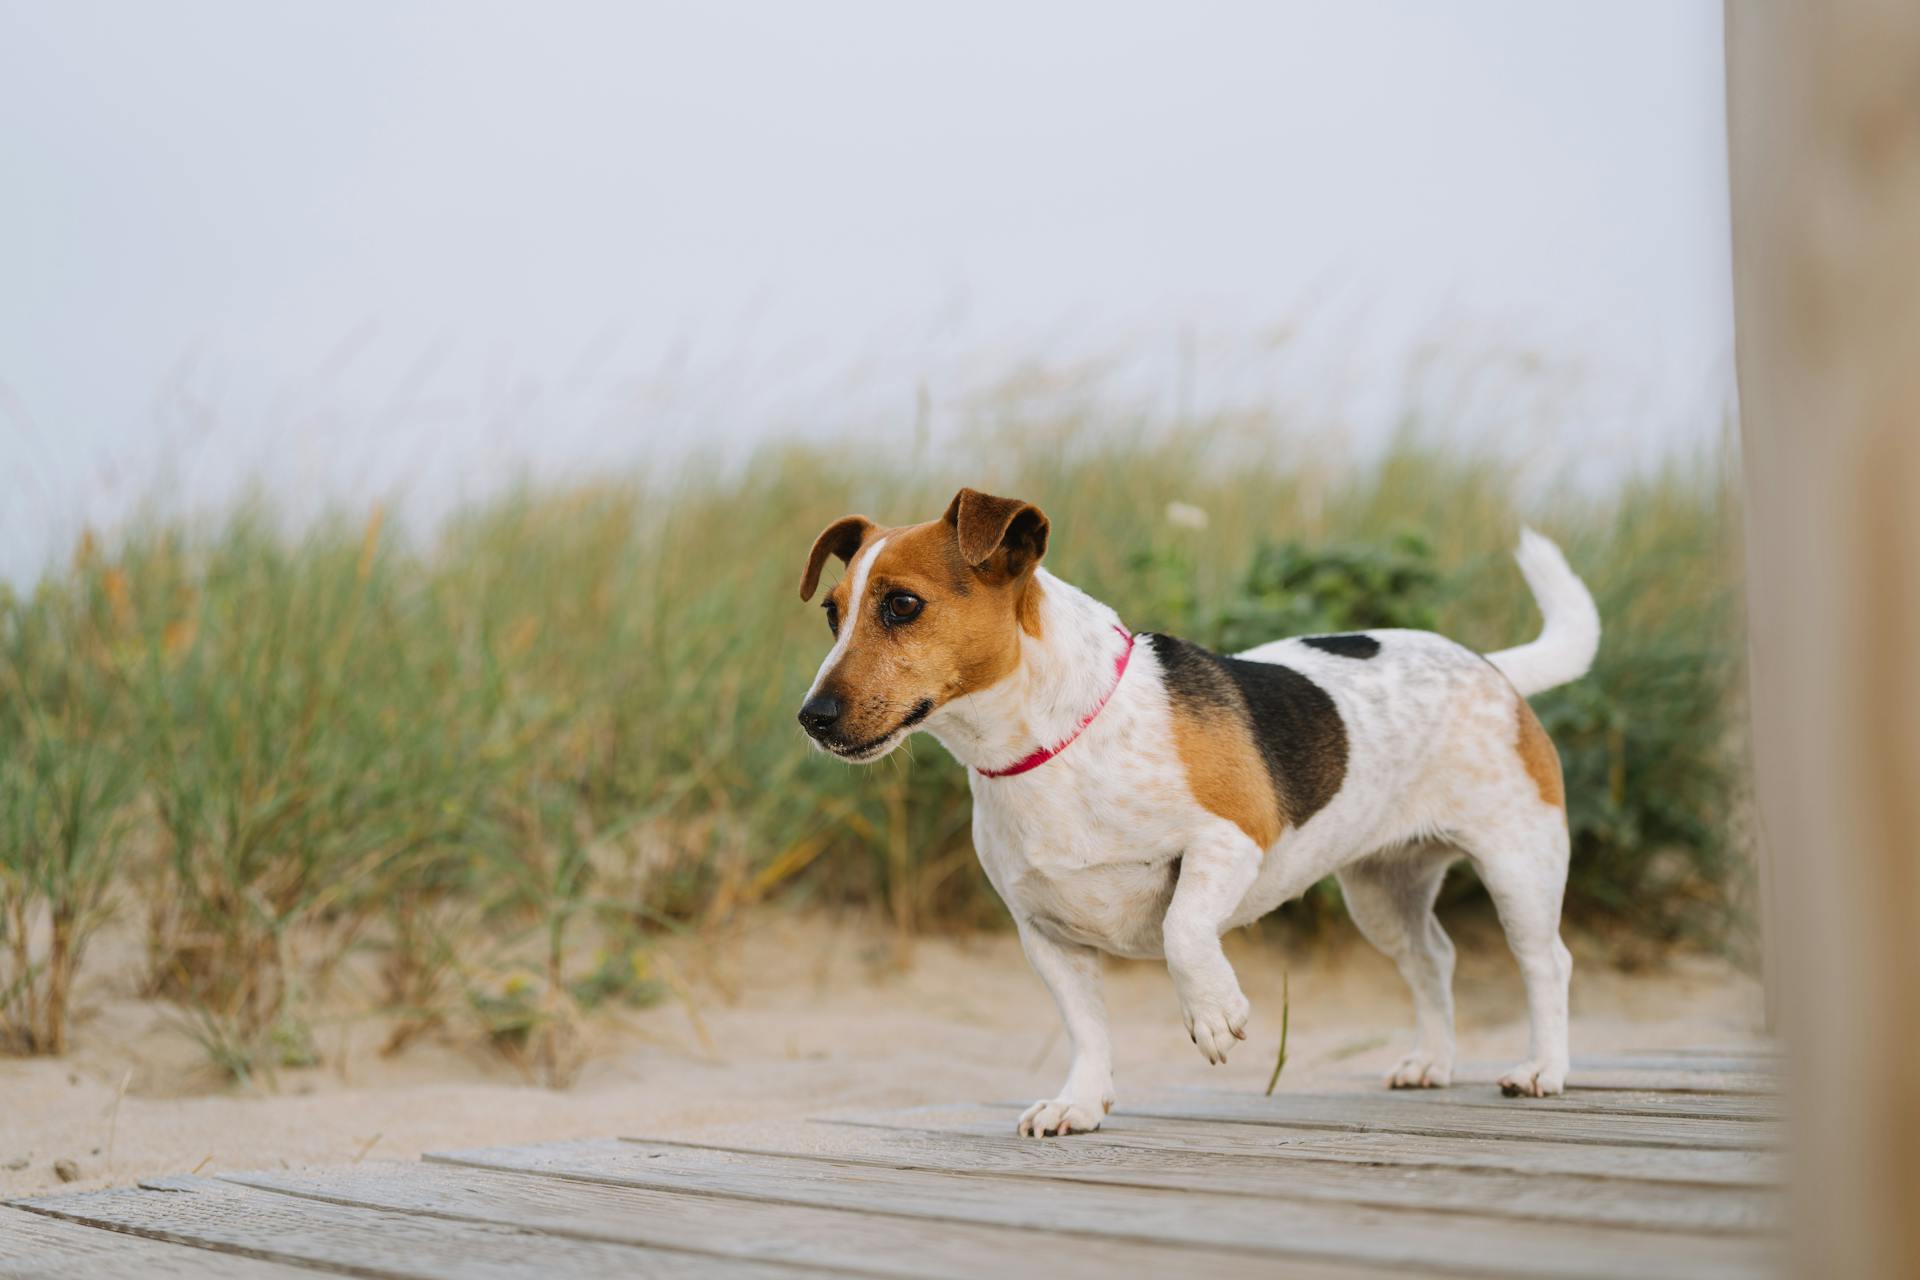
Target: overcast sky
{"points": [[349, 246]]}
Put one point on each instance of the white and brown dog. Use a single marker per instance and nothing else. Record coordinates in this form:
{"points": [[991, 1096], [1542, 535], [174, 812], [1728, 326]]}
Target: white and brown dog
{"points": [[1141, 795]]}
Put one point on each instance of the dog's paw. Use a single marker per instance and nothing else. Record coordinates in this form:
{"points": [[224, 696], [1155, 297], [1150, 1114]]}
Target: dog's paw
{"points": [[1216, 1019], [1422, 1069], [1532, 1080], [1057, 1117]]}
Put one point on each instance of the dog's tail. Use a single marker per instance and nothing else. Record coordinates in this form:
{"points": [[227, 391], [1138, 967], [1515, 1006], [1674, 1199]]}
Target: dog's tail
{"points": [[1571, 637]]}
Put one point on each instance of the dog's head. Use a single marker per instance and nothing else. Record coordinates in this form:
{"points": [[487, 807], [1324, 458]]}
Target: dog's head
{"points": [[925, 613]]}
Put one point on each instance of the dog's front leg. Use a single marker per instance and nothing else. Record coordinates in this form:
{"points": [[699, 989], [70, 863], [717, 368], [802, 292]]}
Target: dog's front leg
{"points": [[1216, 871], [1072, 974]]}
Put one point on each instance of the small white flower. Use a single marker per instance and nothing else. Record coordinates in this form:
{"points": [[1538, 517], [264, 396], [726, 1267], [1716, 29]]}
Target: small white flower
{"points": [[1184, 515]]}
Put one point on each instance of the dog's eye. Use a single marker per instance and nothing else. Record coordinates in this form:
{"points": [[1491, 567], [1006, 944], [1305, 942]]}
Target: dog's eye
{"points": [[833, 616], [901, 606]]}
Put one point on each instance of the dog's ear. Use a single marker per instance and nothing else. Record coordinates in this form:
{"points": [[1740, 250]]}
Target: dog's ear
{"points": [[986, 525], [841, 538]]}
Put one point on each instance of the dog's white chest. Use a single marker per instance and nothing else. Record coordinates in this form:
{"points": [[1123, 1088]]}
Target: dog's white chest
{"points": [[1090, 853]]}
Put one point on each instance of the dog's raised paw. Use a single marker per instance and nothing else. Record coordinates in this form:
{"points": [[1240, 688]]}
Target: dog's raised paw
{"points": [[1214, 1023], [1531, 1080], [1058, 1117], [1421, 1070]]}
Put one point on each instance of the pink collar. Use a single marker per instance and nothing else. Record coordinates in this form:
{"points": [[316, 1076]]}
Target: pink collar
{"points": [[1044, 754]]}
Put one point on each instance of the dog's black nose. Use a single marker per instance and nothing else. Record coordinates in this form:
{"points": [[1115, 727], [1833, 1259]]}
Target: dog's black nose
{"points": [[819, 713]]}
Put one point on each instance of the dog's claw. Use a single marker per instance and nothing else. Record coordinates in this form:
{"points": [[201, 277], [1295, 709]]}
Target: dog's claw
{"points": [[1215, 1020], [1532, 1080], [1423, 1069]]}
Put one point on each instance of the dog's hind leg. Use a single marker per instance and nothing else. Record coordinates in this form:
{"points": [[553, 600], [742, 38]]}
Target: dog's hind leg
{"points": [[1072, 975], [1523, 863], [1390, 897]]}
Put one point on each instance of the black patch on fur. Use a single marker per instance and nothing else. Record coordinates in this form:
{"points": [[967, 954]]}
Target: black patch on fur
{"points": [[1299, 731], [1194, 674], [1351, 645], [1294, 722]]}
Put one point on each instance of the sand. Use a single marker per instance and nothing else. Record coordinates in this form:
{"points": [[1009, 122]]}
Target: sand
{"points": [[786, 1017]]}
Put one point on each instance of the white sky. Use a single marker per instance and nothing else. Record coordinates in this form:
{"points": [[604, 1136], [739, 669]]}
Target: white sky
{"points": [[351, 246]]}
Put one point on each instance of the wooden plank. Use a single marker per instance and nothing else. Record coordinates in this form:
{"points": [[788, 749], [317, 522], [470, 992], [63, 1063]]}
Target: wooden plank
{"points": [[1750, 1107], [1283, 1173], [1678, 1073], [1414, 1239], [1386, 1111], [35, 1247], [274, 1228], [1490, 1193], [1665, 1081], [1707, 1168], [842, 1241], [1759, 1107], [1671, 1076], [1681, 1062], [1761, 1053], [1675, 1073]]}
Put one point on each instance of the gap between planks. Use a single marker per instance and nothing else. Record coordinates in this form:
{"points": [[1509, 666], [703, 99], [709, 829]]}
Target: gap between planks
{"points": [[1752, 1107]]}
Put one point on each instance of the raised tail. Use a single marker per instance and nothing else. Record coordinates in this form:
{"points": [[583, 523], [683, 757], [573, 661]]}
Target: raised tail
{"points": [[1571, 637]]}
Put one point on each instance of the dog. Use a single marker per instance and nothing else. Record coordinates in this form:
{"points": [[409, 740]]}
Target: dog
{"points": [[1140, 795]]}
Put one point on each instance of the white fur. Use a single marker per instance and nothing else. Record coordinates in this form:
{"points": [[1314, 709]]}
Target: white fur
{"points": [[1564, 651], [1104, 848], [860, 566]]}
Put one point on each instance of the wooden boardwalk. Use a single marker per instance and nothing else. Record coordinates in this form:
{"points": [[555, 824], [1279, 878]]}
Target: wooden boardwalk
{"points": [[1651, 1166]]}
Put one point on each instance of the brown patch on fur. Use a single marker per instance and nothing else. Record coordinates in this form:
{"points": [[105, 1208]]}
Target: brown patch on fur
{"points": [[1539, 758], [968, 634], [1029, 608], [1227, 777], [1213, 734], [1007, 531]]}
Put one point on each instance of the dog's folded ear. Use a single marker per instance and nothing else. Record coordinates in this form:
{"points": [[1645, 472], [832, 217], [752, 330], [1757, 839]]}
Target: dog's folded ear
{"points": [[987, 525], [841, 538]]}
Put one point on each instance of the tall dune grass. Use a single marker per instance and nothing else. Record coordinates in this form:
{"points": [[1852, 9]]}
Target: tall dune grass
{"points": [[572, 709]]}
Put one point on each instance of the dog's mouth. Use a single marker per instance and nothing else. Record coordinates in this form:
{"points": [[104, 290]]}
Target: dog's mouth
{"points": [[874, 748]]}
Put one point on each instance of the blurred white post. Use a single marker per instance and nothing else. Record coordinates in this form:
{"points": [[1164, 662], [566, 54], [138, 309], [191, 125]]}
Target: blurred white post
{"points": [[1824, 125]]}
